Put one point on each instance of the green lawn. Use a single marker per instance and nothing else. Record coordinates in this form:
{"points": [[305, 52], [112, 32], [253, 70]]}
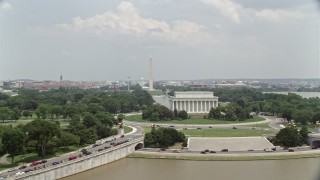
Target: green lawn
{"points": [[311, 127], [221, 132], [224, 132], [138, 118], [12, 123], [127, 129]]}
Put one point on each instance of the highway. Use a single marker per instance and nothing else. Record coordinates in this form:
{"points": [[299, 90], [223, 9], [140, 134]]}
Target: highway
{"points": [[100, 145]]}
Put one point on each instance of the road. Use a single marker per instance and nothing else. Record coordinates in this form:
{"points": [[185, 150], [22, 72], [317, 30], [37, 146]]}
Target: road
{"points": [[99, 146], [274, 123]]}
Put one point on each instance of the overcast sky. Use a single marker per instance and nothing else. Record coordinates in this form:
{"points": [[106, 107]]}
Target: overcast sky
{"points": [[188, 39]]}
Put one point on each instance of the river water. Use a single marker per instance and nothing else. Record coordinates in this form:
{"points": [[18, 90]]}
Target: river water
{"points": [[156, 169]]}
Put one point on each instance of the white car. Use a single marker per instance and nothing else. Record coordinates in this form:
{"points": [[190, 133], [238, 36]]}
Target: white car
{"points": [[268, 150], [19, 173]]}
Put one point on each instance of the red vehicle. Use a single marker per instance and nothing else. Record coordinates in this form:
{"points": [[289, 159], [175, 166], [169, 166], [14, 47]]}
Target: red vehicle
{"points": [[72, 157], [34, 163], [291, 150]]}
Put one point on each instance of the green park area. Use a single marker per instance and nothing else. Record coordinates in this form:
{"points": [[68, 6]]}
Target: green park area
{"points": [[138, 118], [221, 132], [225, 132]]}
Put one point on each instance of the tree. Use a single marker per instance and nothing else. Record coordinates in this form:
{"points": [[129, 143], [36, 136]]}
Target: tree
{"points": [[304, 134], [42, 111], [120, 118], [214, 113], [288, 137], [42, 131], [148, 140], [106, 119], [75, 120], [89, 120], [163, 137], [302, 116], [26, 113], [287, 114], [13, 142], [56, 110], [230, 112], [5, 113], [67, 139], [183, 114], [175, 113], [316, 117], [16, 114], [143, 97], [157, 112], [103, 131]]}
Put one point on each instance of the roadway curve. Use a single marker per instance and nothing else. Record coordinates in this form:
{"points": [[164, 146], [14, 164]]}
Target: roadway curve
{"points": [[274, 123]]}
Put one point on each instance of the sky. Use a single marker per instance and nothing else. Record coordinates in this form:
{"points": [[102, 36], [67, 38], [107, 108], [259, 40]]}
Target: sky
{"points": [[101, 40]]}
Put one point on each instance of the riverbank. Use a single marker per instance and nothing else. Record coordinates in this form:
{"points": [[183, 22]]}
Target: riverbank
{"points": [[227, 157]]}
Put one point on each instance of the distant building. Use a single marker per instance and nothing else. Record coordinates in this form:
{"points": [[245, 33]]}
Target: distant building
{"points": [[238, 84], [193, 102]]}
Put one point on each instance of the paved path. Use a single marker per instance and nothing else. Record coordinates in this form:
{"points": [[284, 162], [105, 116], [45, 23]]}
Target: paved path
{"points": [[3, 159], [267, 120]]}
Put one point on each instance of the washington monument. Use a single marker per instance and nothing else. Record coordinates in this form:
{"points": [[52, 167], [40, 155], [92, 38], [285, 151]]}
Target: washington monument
{"points": [[150, 74]]}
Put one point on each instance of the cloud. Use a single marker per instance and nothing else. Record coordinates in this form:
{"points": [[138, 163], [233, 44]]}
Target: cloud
{"points": [[227, 8], [276, 15], [126, 19], [5, 6]]}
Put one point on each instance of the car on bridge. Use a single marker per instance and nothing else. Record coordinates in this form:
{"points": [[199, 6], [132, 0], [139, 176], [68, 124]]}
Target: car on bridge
{"points": [[22, 167], [55, 163], [268, 150], [34, 163], [73, 157]]}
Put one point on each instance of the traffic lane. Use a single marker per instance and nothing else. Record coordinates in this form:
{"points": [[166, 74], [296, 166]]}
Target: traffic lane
{"points": [[60, 159], [148, 124], [65, 158]]}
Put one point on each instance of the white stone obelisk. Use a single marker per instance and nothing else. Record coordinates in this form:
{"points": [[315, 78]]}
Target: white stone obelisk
{"points": [[150, 74]]}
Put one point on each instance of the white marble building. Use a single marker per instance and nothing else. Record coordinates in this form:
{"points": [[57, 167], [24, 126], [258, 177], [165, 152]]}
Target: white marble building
{"points": [[193, 102]]}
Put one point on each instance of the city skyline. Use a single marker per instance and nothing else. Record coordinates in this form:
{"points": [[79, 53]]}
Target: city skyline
{"points": [[202, 39]]}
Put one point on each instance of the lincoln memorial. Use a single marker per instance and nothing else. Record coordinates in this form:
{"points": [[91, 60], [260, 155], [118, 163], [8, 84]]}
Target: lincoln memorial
{"points": [[193, 102]]}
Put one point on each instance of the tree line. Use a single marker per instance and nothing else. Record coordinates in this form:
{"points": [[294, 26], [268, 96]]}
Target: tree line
{"points": [[243, 101], [64, 103], [90, 114]]}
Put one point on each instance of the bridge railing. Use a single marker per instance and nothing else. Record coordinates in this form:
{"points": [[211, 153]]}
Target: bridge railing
{"points": [[52, 167]]}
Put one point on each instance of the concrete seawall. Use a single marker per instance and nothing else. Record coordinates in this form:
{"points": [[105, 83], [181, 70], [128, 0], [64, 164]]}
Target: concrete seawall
{"points": [[84, 163]]}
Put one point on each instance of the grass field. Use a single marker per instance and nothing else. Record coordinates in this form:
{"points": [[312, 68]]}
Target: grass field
{"points": [[221, 132], [224, 132], [127, 129], [138, 118]]}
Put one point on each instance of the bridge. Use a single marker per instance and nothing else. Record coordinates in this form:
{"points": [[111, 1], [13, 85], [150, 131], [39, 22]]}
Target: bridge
{"points": [[86, 162]]}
